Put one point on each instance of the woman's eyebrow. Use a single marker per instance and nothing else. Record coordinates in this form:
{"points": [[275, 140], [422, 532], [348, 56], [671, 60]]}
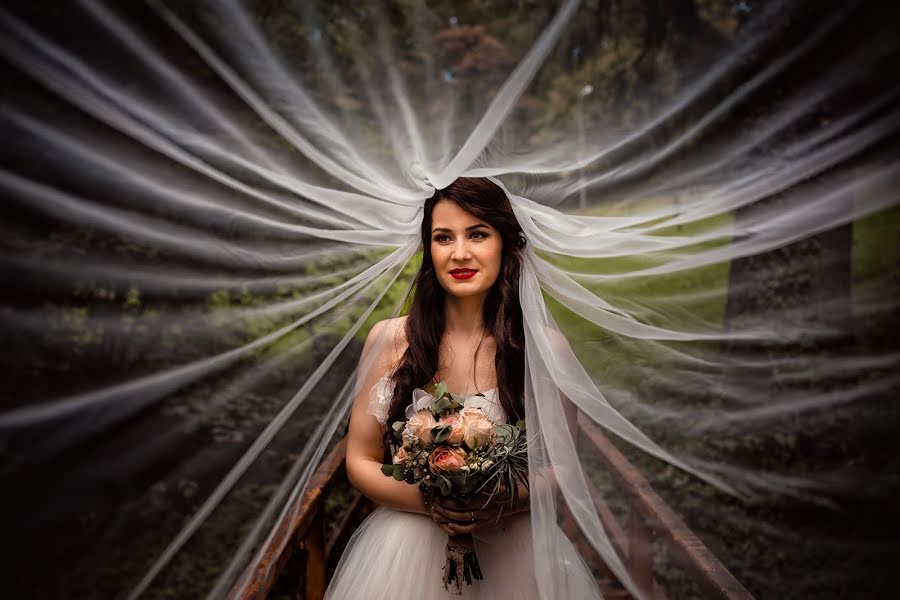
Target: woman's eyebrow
{"points": [[469, 228]]}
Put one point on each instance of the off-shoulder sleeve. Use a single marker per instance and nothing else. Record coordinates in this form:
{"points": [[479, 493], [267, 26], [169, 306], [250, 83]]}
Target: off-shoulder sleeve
{"points": [[380, 399]]}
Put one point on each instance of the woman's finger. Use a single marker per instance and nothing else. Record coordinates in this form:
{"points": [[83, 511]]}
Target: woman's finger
{"points": [[442, 523], [464, 527], [490, 512], [456, 515], [452, 504]]}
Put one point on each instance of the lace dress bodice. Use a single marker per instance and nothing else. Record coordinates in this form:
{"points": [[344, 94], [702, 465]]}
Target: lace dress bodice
{"points": [[383, 391]]}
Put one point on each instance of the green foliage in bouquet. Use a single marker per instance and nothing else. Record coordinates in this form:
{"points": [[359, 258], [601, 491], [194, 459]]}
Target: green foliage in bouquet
{"points": [[444, 401], [511, 467]]}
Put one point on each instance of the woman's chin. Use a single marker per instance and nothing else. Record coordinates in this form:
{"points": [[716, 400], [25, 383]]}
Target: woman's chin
{"points": [[461, 290]]}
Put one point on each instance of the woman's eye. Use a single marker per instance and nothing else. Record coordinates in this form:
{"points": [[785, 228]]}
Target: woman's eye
{"points": [[442, 238]]}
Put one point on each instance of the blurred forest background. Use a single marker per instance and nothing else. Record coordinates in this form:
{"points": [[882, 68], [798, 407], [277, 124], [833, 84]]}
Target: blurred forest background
{"points": [[72, 328]]}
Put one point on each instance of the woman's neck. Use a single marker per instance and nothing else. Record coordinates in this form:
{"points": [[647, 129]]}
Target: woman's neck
{"points": [[464, 315]]}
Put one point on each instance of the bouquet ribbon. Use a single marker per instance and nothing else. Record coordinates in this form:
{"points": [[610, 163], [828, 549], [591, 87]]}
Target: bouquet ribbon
{"points": [[462, 563]]}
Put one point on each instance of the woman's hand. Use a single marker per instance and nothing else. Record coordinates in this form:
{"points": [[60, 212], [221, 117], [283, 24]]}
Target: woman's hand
{"points": [[482, 512], [435, 511]]}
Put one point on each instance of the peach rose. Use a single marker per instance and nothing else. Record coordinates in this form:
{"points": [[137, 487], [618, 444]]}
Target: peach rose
{"points": [[477, 428], [455, 421], [421, 424], [446, 458]]}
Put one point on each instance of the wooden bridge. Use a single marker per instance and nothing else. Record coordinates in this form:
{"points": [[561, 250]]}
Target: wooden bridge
{"points": [[303, 538]]}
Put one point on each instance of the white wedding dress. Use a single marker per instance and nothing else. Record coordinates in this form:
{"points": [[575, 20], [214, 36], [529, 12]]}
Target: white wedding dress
{"points": [[396, 554]]}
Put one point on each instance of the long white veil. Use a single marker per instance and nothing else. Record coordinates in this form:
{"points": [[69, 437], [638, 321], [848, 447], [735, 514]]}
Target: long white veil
{"points": [[209, 204]]}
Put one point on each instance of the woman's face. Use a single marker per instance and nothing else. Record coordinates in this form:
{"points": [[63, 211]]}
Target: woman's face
{"points": [[465, 250]]}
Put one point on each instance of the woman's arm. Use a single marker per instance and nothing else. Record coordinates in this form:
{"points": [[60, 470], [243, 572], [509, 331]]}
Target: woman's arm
{"points": [[547, 475], [365, 449]]}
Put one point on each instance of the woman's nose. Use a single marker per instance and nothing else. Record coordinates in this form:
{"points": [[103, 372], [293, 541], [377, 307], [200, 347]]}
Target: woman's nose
{"points": [[460, 251]]}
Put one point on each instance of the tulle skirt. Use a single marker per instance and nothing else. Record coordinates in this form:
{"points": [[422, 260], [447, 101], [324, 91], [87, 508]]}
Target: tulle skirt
{"points": [[397, 554]]}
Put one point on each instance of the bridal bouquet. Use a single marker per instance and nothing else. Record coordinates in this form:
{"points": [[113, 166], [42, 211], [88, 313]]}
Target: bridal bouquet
{"points": [[453, 450]]}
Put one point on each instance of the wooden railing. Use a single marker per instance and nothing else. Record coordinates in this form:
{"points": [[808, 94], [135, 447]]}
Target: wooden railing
{"points": [[303, 529], [649, 518]]}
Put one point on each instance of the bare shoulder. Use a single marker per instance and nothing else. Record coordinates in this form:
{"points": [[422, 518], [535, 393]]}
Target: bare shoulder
{"points": [[389, 337], [392, 329]]}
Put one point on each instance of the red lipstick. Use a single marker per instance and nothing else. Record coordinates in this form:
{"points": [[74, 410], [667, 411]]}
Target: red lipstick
{"points": [[463, 273]]}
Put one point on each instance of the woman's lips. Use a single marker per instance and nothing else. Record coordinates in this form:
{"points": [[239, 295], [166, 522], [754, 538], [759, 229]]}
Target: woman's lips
{"points": [[463, 273]]}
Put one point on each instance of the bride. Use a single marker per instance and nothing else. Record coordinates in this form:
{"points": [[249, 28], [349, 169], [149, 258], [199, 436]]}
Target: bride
{"points": [[464, 327]]}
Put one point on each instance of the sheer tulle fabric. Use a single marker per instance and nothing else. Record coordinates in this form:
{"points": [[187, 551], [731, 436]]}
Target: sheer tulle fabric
{"points": [[401, 555], [210, 204]]}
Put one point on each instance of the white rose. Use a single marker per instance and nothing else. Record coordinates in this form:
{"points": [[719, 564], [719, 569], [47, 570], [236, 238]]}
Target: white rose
{"points": [[477, 428], [401, 456]]}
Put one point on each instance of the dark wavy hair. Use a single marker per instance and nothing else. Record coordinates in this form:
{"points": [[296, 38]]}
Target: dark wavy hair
{"points": [[502, 310]]}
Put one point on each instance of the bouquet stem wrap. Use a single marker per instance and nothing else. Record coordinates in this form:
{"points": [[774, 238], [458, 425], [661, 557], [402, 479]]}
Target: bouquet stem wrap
{"points": [[462, 563]]}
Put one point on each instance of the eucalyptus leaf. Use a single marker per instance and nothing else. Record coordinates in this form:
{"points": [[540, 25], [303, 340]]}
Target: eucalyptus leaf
{"points": [[398, 473], [439, 405], [388, 470], [441, 433]]}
